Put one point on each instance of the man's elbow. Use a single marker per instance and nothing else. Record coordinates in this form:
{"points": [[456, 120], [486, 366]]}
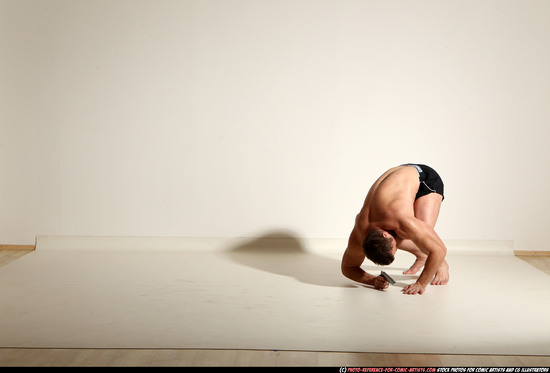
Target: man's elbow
{"points": [[345, 270], [349, 272]]}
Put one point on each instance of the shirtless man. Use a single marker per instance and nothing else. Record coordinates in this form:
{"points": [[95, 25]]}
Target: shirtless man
{"points": [[399, 212]]}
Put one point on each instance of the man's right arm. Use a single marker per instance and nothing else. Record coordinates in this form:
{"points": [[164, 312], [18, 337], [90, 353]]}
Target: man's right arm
{"points": [[351, 264]]}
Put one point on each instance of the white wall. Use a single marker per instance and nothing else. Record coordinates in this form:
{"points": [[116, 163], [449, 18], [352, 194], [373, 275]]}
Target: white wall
{"points": [[234, 117]]}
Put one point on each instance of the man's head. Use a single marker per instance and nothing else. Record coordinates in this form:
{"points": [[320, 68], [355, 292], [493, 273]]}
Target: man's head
{"points": [[379, 247]]}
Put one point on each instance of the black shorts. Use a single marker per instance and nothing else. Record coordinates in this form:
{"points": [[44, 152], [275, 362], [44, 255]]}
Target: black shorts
{"points": [[430, 181]]}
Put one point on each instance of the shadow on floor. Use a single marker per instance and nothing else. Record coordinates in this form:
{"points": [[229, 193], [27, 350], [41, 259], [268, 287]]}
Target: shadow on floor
{"points": [[285, 254]]}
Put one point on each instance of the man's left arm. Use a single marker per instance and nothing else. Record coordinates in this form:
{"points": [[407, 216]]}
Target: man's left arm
{"points": [[429, 242]]}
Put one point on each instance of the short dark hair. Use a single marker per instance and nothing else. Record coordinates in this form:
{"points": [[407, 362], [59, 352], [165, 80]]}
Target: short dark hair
{"points": [[378, 248]]}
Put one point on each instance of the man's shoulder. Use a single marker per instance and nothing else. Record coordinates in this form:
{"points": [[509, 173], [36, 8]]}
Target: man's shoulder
{"points": [[409, 226]]}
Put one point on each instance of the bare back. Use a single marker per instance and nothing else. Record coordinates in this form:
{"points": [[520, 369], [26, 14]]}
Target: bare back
{"points": [[390, 198]]}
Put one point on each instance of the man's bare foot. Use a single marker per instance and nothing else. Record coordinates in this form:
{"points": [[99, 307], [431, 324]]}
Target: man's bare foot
{"points": [[417, 266], [442, 275]]}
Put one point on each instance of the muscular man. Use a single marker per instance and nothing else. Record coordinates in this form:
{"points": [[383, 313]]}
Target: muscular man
{"points": [[399, 212]]}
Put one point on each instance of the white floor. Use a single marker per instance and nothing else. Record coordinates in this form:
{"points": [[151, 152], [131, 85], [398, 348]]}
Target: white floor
{"points": [[260, 295]]}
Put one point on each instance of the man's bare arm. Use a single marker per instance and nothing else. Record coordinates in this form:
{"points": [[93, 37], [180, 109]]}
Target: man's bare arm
{"points": [[429, 242], [351, 264]]}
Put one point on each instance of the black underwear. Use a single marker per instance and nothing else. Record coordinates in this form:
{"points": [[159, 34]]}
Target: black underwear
{"points": [[430, 181]]}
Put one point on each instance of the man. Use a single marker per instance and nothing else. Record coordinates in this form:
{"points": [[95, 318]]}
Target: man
{"points": [[400, 212]]}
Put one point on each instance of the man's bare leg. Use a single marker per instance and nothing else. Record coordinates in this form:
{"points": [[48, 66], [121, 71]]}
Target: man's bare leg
{"points": [[426, 208], [410, 247]]}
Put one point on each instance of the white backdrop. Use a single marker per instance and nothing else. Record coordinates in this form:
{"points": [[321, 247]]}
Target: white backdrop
{"points": [[234, 117]]}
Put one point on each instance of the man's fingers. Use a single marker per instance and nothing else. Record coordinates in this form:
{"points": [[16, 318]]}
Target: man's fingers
{"points": [[412, 289], [381, 286], [380, 283]]}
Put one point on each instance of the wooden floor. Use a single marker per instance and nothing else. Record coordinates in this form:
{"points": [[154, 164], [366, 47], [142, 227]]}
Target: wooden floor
{"points": [[186, 357]]}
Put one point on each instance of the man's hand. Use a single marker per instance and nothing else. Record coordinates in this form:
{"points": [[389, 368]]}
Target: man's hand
{"points": [[415, 288], [380, 283]]}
